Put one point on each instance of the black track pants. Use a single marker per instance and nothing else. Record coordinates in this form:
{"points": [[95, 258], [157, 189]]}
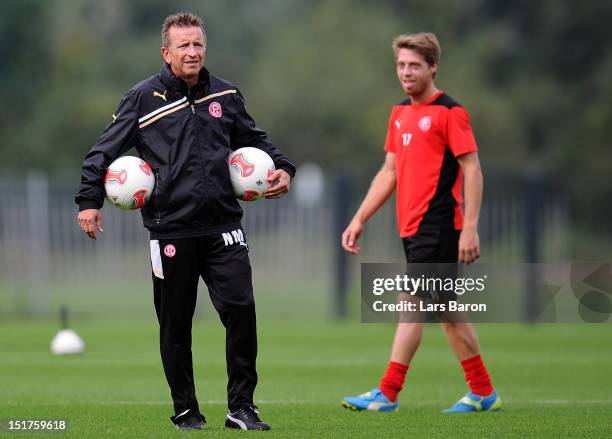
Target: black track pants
{"points": [[222, 260]]}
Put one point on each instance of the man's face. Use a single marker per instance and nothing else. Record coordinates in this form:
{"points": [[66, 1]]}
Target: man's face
{"points": [[186, 52], [413, 72]]}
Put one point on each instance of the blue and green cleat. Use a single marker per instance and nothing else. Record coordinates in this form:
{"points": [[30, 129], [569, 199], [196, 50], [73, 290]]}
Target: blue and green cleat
{"points": [[475, 403], [373, 400]]}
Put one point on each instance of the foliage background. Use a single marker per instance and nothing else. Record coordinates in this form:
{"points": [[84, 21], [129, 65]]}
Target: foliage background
{"points": [[319, 77]]}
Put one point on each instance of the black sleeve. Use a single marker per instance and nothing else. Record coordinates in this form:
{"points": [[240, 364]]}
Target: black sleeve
{"points": [[118, 137], [246, 133]]}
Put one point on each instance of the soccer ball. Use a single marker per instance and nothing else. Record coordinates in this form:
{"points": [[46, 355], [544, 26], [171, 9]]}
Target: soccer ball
{"points": [[129, 182], [249, 171]]}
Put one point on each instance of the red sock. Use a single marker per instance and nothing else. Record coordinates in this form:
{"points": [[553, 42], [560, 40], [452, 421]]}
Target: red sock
{"points": [[393, 380], [476, 376]]}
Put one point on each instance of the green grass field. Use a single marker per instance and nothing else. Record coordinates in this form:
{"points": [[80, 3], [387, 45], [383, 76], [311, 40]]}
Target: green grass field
{"points": [[556, 381]]}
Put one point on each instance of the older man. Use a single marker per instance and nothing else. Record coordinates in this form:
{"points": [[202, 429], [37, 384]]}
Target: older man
{"points": [[184, 122]]}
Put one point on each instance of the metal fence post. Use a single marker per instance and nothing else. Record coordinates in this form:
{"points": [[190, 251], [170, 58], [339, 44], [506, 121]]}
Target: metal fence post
{"points": [[341, 217], [37, 194], [533, 198]]}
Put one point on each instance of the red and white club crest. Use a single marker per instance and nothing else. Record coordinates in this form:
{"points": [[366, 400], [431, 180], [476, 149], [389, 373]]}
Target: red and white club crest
{"points": [[215, 109], [425, 123], [169, 250]]}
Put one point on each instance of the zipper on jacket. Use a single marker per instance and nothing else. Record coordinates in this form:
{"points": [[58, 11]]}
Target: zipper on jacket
{"points": [[191, 101], [157, 218]]}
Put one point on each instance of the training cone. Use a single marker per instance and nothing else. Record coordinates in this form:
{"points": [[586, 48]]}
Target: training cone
{"points": [[66, 341]]}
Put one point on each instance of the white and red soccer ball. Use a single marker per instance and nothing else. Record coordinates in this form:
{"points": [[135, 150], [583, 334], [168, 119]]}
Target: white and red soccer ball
{"points": [[129, 182], [249, 171]]}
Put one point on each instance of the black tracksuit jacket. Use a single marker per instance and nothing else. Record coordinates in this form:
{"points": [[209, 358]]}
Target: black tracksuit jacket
{"points": [[178, 132]]}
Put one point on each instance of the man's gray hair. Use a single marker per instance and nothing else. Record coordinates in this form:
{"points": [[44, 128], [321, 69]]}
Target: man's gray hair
{"points": [[180, 19]]}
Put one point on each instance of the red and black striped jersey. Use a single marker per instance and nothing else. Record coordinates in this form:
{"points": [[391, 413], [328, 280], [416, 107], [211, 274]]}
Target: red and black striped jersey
{"points": [[426, 139]]}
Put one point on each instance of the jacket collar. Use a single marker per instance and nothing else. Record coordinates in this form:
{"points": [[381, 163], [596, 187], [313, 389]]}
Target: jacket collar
{"points": [[173, 82]]}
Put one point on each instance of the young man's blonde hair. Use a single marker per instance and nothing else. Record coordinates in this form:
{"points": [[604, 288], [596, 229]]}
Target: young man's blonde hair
{"points": [[425, 44], [180, 19]]}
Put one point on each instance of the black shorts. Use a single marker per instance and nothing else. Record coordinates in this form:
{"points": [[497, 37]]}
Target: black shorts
{"points": [[433, 253], [432, 245]]}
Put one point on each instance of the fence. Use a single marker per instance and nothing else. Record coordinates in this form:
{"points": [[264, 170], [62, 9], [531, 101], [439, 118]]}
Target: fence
{"points": [[46, 261]]}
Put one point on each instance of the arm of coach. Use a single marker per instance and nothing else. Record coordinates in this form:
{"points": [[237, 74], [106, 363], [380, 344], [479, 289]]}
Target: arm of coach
{"points": [[117, 138], [246, 133]]}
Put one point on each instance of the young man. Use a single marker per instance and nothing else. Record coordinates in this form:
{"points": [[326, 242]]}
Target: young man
{"points": [[184, 122], [430, 150]]}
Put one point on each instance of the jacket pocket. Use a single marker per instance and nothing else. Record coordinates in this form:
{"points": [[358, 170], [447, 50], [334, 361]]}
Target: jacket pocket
{"points": [[152, 211], [157, 198]]}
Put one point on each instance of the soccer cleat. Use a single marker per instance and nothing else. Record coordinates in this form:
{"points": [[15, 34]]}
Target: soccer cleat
{"points": [[189, 420], [246, 418], [475, 403], [373, 400]]}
